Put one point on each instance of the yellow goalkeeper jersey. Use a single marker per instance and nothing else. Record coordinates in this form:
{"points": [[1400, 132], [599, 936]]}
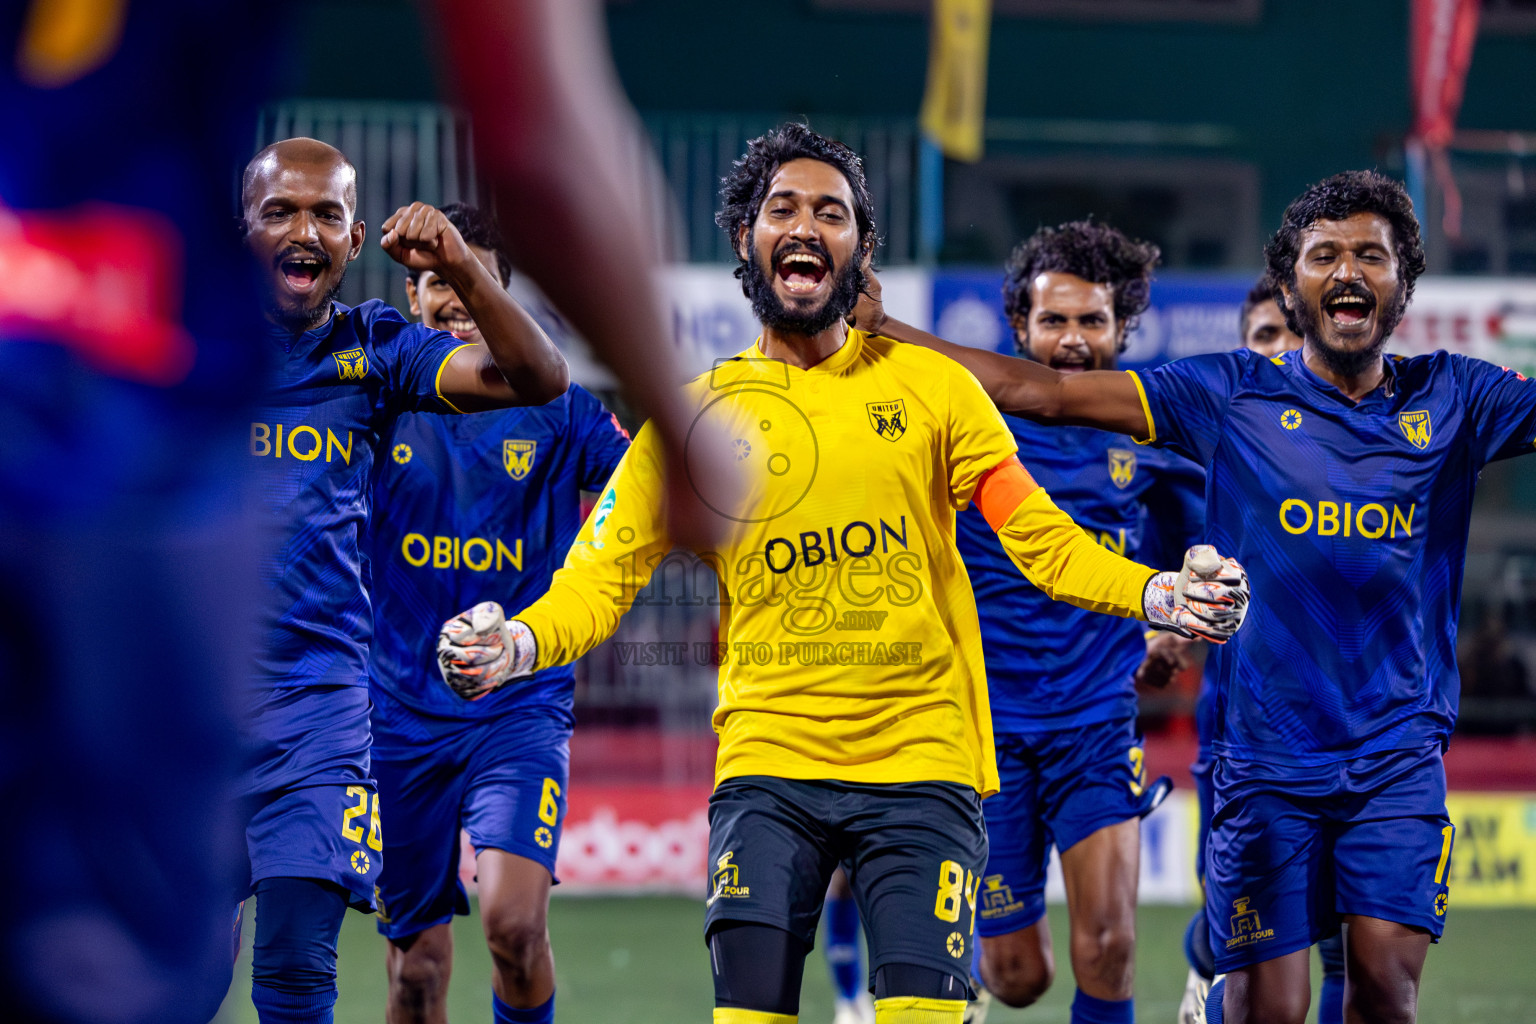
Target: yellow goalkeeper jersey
{"points": [[848, 629]]}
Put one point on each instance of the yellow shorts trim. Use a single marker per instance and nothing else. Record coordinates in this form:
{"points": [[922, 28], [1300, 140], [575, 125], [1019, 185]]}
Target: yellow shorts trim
{"points": [[731, 1015], [1145, 408], [916, 1010], [438, 383]]}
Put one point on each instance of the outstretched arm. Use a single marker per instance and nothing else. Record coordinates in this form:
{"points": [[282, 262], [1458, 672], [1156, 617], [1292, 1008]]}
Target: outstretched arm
{"points": [[611, 561], [1205, 600], [1105, 399], [518, 364]]}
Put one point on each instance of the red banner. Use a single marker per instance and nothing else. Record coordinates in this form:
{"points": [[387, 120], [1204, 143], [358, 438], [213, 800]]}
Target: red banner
{"points": [[1443, 32], [103, 281]]}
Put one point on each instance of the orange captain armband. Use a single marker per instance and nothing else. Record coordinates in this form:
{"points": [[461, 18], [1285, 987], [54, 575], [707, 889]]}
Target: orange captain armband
{"points": [[1002, 489]]}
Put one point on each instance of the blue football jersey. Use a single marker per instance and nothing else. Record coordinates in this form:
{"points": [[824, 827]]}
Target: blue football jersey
{"points": [[1351, 519], [334, 395], [477, 508], [1051, 665]]}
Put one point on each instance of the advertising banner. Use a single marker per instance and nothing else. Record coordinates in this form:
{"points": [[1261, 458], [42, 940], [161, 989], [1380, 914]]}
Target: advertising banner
{"points": [[1492, 861]]}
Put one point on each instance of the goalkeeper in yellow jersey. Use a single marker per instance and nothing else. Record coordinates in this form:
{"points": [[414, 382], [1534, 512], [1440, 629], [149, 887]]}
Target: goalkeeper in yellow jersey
{"points": [[853, 718]]}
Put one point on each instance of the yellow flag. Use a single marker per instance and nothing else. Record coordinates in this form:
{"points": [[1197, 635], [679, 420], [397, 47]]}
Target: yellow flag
{"points": [[955, 102], [66, 39]]}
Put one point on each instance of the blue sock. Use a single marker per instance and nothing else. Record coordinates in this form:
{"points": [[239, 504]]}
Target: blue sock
{"points": [[1088, 1010], [544, 1013], [1213, 1002], [843, 947], [277, 1007], [1330, 1003]]}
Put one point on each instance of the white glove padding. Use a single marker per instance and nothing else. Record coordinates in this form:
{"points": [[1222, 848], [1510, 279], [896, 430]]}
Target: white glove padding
{"points": [[1205, 600], [479, 650]]}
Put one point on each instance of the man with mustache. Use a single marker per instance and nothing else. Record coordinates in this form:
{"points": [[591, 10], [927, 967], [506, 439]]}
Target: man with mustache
{"points": [[1343, 478], [1061, 679], [340, 378], [853, 718]]}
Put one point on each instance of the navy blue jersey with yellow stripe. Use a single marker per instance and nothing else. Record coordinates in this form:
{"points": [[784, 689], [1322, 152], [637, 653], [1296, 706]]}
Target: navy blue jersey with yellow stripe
{"points": [[333, 397], [477, 508], [1051, 665], [1351, 519]]}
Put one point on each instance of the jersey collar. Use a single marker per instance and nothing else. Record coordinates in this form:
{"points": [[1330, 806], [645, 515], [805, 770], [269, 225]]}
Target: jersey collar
{"points": [[838, 361], [307, 341], [1384, 392]]}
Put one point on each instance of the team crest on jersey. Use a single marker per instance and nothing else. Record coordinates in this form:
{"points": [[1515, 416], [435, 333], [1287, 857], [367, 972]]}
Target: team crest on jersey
{"points": [[1122, 467], [351, 364], [360, 860], [1416, 427], [517, 457], [888, 418]]}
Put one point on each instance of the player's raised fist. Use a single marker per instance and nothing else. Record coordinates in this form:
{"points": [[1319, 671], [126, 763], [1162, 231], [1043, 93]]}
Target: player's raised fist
{"points": [[479, 650], [1207, 599], [419, 237]]}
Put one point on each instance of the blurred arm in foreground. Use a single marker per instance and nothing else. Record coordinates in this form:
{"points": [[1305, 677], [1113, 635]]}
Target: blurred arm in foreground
{"points": [[549, 117]]}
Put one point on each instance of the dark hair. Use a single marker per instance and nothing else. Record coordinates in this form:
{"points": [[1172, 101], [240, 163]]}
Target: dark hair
{"points": [[478, 228], [743, 190], [1337, 198], [1092, 251], [1263, 291]]}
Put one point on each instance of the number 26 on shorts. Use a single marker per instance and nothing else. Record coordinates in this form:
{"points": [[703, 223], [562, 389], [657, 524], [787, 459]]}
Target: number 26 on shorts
{"points": [[354, 833]]}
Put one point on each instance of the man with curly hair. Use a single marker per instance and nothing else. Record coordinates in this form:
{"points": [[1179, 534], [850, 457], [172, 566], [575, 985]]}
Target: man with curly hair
{"points": [[1343, 479], [1062, 679], [853, 717]]}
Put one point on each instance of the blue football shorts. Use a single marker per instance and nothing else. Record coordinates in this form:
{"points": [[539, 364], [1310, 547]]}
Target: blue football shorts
{"points": [[502, 780], [313, 810], [1057, 788], [1292, 849]]}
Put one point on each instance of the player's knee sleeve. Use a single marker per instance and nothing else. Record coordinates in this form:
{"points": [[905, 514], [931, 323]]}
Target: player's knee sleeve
{"points": [[1197, 946], [894, 981], [297, 922], [757, 968]]}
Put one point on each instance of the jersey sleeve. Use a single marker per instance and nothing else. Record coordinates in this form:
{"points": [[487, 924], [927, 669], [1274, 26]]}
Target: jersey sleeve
{"points": [[602, 441], [1186, 401], [611, 560], [1059, 557], [1501, 409], [978, 440], [415, 357]]}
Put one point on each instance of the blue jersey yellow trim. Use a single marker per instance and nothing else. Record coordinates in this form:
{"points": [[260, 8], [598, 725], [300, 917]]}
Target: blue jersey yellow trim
{"points": [[438, 381], [1146, 409]]}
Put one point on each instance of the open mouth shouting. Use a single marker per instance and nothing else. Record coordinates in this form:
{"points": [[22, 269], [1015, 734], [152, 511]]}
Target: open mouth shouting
{"points": [[1071, 361], [302, 269], [801, 271], [1349, 308]]}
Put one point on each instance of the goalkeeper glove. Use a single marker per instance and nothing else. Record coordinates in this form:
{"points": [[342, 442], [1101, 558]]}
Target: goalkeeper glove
{"points": [[479, 650], [1205, 600]]}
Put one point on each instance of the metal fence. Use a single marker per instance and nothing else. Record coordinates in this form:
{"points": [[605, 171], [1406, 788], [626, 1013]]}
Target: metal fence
{"points": [[696, 152]]}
